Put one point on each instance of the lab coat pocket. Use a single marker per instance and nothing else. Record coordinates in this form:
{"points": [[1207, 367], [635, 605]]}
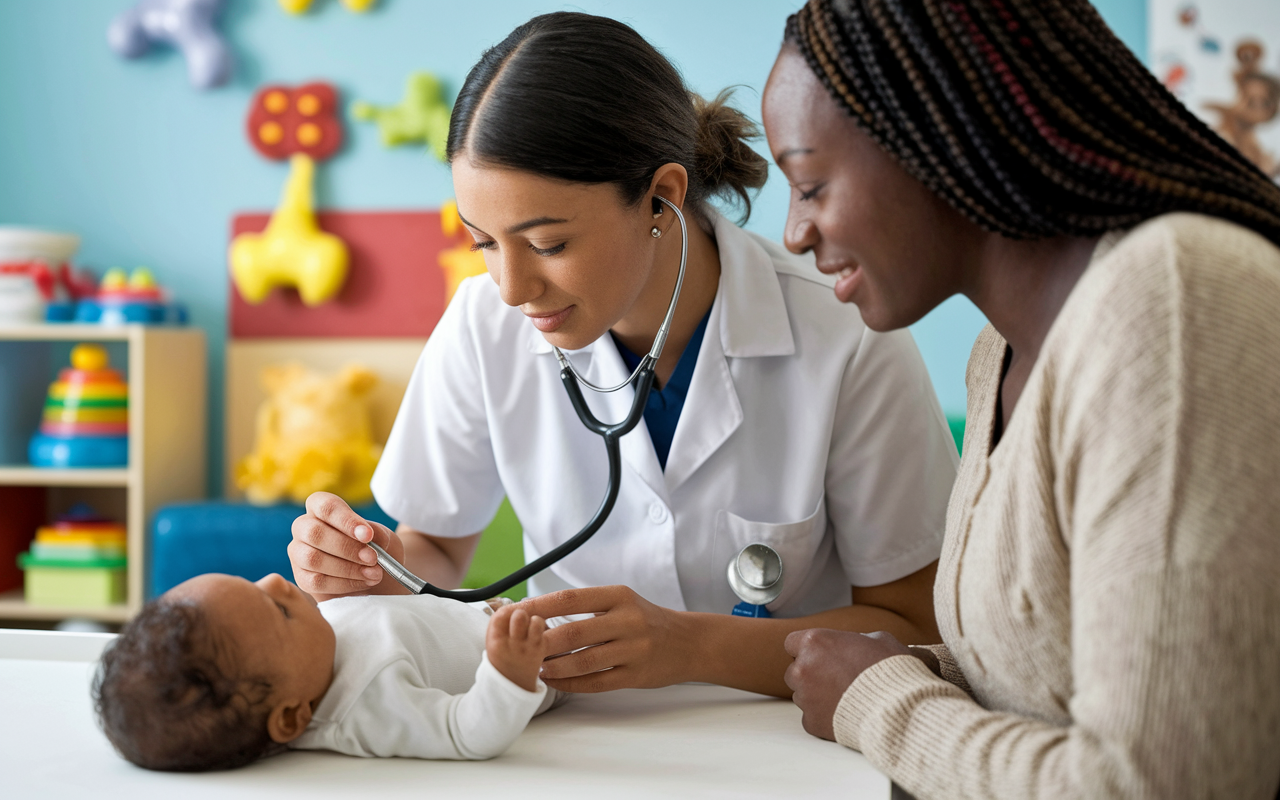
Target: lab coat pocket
{"points": [[796, 542]]}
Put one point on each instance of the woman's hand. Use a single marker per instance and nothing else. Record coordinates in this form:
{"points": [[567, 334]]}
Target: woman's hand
{"points": [[827, 662], [630, 643], [328, 551]]}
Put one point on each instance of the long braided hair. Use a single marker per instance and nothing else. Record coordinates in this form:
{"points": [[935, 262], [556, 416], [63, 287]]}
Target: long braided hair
{"points": [[1029, 116]]}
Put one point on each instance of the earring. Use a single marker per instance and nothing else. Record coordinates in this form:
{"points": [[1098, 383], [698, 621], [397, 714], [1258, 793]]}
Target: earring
{"points": [[655, 232]]}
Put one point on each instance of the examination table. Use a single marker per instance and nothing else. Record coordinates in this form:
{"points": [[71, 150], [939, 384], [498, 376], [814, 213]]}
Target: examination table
{"points": [[681, 741]]}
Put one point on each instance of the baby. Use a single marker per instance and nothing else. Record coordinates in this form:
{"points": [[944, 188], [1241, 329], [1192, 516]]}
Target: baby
{"points": [[219, 672]]}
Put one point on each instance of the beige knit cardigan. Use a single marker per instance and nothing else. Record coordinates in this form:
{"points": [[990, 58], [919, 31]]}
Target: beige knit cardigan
{"points": [[1109, 588]]}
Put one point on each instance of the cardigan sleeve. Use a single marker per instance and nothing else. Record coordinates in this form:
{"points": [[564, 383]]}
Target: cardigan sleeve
{"points": [[1165, 432], [950, 669]]}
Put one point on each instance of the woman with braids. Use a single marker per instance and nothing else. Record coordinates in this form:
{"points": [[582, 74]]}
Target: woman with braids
{"points": [[777, 417], [1109, 587]]}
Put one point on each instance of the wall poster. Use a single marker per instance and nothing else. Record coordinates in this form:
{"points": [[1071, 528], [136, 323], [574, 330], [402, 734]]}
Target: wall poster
{"points": [[1222, 59]]}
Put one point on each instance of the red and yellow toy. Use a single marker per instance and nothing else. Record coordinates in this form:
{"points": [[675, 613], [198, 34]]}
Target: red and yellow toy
{"points": [[284, 120], [302, 125]]}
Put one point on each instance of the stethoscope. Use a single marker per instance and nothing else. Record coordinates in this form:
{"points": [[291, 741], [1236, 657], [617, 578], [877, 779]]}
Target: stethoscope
{"points": [[642, 379]]}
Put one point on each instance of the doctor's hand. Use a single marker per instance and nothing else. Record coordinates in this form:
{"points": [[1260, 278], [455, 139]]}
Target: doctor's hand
{"points": [[328, 551], [827, 662], [630, 643]]}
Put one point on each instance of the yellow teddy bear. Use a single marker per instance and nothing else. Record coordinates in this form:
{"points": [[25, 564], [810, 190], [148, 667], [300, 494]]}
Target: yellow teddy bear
{"points": [[313, 435]]}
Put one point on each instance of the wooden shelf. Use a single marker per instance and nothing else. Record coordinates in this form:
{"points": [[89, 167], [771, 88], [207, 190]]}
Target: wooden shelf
{"points": [[166, 369], [42, 476], [67, 332], [13, 606]]}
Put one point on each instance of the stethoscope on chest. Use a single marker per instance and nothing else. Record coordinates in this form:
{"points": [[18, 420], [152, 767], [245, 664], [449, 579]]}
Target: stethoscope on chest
{"points": [[755, 574]]}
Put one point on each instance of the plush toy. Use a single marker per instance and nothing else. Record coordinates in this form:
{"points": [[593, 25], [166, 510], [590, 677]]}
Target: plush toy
{"points": [[188, 25], [422, 116], [292, 251], [313, 435]]}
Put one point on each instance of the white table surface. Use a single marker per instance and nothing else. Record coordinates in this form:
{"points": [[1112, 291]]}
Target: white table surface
{"points": [[681, 741]]}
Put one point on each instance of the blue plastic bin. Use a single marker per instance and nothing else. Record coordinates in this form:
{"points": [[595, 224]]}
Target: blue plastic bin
{"points": [[235, 538]]}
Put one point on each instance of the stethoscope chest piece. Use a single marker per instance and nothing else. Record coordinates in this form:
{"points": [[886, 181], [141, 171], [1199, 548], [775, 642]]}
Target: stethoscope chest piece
{"points": [[755, 575]]}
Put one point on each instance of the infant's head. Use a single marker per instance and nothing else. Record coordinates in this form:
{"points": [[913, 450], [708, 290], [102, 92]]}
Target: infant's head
{"points": [[214, 674]]}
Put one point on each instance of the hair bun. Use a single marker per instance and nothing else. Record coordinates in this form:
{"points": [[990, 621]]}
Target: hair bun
{"points": [[726, 164]]}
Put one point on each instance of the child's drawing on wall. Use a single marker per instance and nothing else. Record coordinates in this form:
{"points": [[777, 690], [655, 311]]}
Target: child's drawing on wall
{"points": [[1222, 59], [1257, 101]]}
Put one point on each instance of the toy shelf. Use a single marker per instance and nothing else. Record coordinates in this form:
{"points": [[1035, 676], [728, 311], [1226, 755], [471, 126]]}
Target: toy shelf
{"points": [[71, 332], [167, 374], [38, 476], [14, 607]]}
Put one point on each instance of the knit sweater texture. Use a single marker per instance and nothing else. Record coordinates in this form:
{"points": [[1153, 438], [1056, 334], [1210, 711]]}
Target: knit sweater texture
{"points": [[1109, 587]]}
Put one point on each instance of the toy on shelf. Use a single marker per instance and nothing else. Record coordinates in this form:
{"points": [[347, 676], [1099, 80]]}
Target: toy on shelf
{"points": [[121, 299], [190, 26], [458, 262], [303, 6], [79, 560], [86, 415], [284, 120], [31, 265], [292, 251], [313, 435], [421, 117]]}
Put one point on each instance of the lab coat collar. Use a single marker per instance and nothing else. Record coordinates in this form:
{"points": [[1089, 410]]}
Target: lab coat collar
{"points": [[751, 317], [753, 314]]}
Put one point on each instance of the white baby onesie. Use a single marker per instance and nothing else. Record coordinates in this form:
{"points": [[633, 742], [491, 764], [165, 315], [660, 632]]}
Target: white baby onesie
{"points": [[411, 679]]}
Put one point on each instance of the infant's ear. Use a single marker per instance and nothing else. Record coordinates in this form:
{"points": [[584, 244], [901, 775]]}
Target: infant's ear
{"points": [[287, 721]]}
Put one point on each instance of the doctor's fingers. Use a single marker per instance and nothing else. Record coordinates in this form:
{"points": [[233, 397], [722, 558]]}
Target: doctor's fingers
{"points": [[320, 535], [305, 557], [568, 602], [322, 587], [334, 511], [619, 676]]}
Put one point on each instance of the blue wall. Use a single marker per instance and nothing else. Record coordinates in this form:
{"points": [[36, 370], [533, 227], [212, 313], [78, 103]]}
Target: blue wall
{"points": [[149, 171]]}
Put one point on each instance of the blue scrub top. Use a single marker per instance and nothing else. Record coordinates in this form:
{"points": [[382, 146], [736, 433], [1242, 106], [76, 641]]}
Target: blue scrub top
{"points": [[662, 413]]}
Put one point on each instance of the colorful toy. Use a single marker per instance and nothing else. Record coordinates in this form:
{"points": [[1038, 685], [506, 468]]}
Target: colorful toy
{"points": [[121, 299], [313, 435], [283, 121], [86, 415], [458, 262], [187, 25], [422, 117], [303, 6], [79, 560], [292, 251]]}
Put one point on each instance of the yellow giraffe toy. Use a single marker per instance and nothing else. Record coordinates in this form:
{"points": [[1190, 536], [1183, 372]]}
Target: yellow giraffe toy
{"points": [[292, 251]]}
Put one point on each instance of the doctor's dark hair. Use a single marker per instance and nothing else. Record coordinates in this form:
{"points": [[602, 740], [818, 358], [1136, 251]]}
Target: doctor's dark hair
{"points": [[165, 703], [586, 99], [1030, 117]]}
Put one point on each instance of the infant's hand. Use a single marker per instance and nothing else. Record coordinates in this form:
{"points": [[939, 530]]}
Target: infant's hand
{"points": [[515, 647]]}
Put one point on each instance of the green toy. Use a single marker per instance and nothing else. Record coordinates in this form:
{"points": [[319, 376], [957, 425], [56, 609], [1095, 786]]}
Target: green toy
{"points": [[422, 117]]}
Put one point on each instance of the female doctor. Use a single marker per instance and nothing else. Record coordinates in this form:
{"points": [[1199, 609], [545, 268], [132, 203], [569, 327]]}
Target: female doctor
{"points": [[776, 416]]}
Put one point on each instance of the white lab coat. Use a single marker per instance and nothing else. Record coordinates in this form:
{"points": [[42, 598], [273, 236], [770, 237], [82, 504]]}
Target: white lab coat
{"points": [[802, 429]]}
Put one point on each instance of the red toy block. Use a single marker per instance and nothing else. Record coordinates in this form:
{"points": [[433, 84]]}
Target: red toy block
{"points": [[394, 287]]}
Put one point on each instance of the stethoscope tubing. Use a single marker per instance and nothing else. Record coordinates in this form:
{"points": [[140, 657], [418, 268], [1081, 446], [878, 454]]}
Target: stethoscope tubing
{"points": [[612, 435]]}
